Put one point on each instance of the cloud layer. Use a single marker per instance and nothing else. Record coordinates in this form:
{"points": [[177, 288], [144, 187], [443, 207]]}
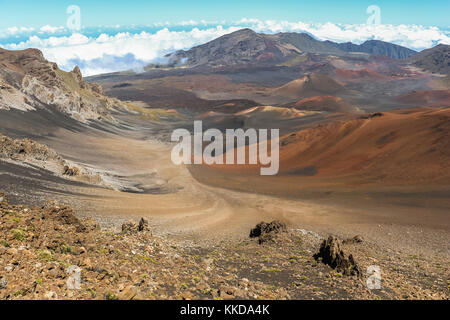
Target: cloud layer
{"points": [[109, 53], [412, 36], [117, 48]]}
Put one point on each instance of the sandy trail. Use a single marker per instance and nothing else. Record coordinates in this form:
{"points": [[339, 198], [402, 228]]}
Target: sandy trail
{"points": [[191, 210]]}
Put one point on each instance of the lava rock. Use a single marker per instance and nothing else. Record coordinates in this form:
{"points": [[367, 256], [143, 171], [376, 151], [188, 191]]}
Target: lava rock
{"points": [[64, 215], [143, 225], [133, 227], [372, 115], [71, 172], [331, 253], [129, 227], [355, 239], [266, 231]]}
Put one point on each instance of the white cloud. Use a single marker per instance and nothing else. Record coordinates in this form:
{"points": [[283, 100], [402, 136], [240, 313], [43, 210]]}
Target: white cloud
{"points": [[412, 36], [125, 50], [50, 29], [13, 31], [144, 47], [189, 23]]}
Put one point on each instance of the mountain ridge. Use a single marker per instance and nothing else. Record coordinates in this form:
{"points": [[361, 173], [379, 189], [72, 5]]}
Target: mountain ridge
{"points": [[378, 47], [29, 82], [245, 46]]}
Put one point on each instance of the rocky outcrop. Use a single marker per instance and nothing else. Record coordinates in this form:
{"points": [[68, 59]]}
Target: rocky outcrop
{"points": [[23, 149], [331, 253], [27, 151], [71, 172], [130, 227], [372, 115], [29, 82], [143, 225], [49, 253], [267, 231], [354, 240], [63, 215]]}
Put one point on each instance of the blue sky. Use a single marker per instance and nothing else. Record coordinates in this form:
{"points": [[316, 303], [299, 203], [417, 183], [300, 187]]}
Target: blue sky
{"points": [[100, 12], [121, 35]]}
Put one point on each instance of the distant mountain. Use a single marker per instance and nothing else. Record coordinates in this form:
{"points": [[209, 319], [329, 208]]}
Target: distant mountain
{"points": [[436, 59], [375, 47], [248, 47], [241, 47]]}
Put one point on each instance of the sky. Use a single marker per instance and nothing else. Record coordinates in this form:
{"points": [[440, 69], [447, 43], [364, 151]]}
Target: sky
{"points": [[104, 36]]}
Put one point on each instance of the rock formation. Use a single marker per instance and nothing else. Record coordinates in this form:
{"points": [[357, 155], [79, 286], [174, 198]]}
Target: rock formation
{"points": [[331, 253], [29, 82], [266, 231]]}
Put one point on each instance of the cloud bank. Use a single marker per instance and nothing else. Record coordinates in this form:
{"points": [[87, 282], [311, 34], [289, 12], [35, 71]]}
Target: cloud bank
{"points": [[115, 49], [412, 36]]}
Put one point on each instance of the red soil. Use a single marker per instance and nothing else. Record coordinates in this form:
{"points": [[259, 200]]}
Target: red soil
{"points": [[404, 147]]}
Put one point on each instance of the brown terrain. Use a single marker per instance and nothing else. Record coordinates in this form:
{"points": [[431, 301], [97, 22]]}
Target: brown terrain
{"points": [[437, 98], [364, 151], [379, 148], [44, 248], [325, 103]]}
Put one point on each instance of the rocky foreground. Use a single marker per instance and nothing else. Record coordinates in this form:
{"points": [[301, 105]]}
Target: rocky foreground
{"points": [[48, 253]]}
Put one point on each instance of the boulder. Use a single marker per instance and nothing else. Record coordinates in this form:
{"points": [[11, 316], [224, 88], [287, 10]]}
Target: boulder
{"points": [[71, 172], [331, 253], [355, 239], [129, 227], [372, 115], [133, 227], [95, 87], [63, 215], [143, 225]]}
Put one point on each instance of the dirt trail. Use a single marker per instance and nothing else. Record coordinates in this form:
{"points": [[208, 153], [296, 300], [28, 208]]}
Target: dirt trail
{"points": [[180, 206]]}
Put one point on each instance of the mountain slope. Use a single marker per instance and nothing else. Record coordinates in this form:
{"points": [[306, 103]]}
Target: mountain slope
{"points": [[325, 103], [404, 147], [309, 86], [241, 47], [382, 148], [436, 59], [436, 98], [306, 43], [375, 47], [29, 82]]}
